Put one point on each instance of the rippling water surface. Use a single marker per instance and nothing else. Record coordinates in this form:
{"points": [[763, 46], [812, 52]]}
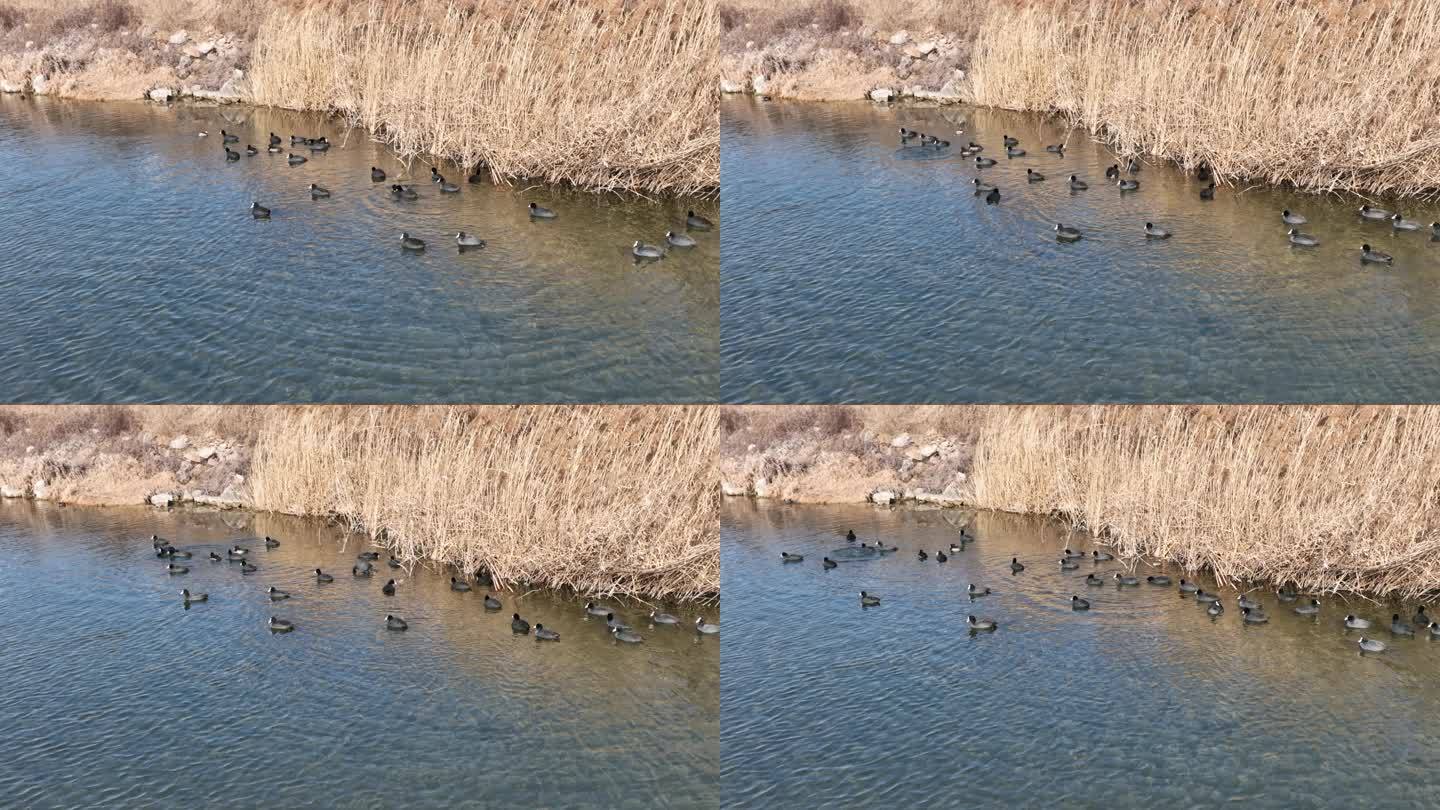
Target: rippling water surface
{"points": [[118, 696], [133, 271], [1143, 701], [855, 270]]}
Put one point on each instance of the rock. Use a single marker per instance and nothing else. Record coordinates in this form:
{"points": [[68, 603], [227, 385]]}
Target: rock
{"points": [[727, 86], [161, 94], [927, 450], [191, 456], [902, 440], [193, 52], [7, 491], [759, 84], [762, 488], [162, 499], [921, 496], [39, 84], [206, 453], [883, 497], [731, 490], [40, 489], [205, 48], [237, 73], [925, 48], [233, 89], [882, 94], [179, 37], [912, 52], [7, 86], [180, 442], [899, 37]]}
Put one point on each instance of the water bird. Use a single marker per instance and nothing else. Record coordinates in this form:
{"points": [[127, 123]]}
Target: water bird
{"points": [[320, 145], [1369, 255], [395, 623], [974, 591], [476, 177], [663, 618], [1435, 231], [1014, 152], [280, 625], [704, 627], [922, 555], [1056, 149], [1400, 223], [316, 192], [541, 212], [1113, 172], [597, 610], [1203, 173], [697, 222], [980, 624], [491, 603], [1371, 645], [409, 242], [457, 585], [1353, 622], [1067, 564], [1009, 141], [202, 134], [226, 137], [643, 251], [274, 150], [954, 549], [1246, 602], [541, 634], [435, 176], [980, 187], [276, 594], [1435, 629], [259, 211], [1214, 609], [377, 175], [828, 563], [271, 542], [1101, 556], [993, 198], [1033, 176], [1076, 603], [1291, 218], [1133, 166], [482, 577], [172, 568], [251, 151], [1373, 213], [388, 588], [1286, 594], [1203, 597], [368, 555], [1016, 566], [215, 557], [906, 134], [194, 597], [611, 622], [1065, 233], [393, 563], [1123, 581], [1253, 616], [679, 239], [627, 636], [1208, 193], [940, 556], [1421, 619], [447, 187], [1187, 586], [1093, 581], [295, 160], [274, 139], [321, 576], [1302, 239], [365, 570], [786, 556], [294, 139], [867, 600], [1159, 579], [1076, 184], [231, 155], [1308, 610], [1400, 628], [1127, 185], [884, 549], [850, 535], [518, 625], [404, 192], [984, 162]]}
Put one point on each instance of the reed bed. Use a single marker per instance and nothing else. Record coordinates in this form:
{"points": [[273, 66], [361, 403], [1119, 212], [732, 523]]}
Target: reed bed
{"points": [[1325, 96], [601, 499], [606, 95]]}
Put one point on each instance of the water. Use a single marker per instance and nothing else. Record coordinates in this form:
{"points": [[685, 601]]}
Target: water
{"points": [[1141, 702], [134, 272], [118, 696], [857, 271]]}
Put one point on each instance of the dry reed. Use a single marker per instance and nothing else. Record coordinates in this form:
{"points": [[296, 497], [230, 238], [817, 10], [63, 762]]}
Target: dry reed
{"points": [[1325, 96], [601, 94]]}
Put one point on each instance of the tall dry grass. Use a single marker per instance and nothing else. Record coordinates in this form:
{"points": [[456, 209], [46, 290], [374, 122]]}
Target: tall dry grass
{"points": [[602, 499], [603, 94], [1329, 95]]}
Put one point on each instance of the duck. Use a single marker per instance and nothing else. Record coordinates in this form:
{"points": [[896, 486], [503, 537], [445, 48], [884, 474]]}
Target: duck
{"points": [[296, 139], [540, 212], [922, 555], [980, 624], [1208, 193], [541, 634], [1101, 556], [1068, 565], [404, 192], [1400, 223], [1308, 610], [867, 600], [1253, 616], [457, 585], [786, 556], [1434, 629], [276, 594], [215, 557], [365, 570], [1202, 173], [827, 563], [176, 554], [1016, 566], [172, 569], [704, 627], [320, 145], [643, 251], [271, 542], [1246, 602], [316, 192], [395, 623], [593, 609], [1214, 609], [1400, 628], [321, 576], [612, 623], [464, 240], [519, 626], [906, 134], [1033, 176], [1113, 172], [1371, 645], [1369, 255], [388, 588], [1127, 185], [1158, 579], [1353, 622], [1123, 581], [1009, 141], [248, 568], [993, 198], [697, 222], [1374, 213], [1014, 152], [1286, 594], [409, 242], [679, 240], [1093, 581], [850, 536], [1056, 149], [369, 556], [976, 592], [627, 636], [1076, 184], [482, 577], [983, 162], [981, 188], [280, 625], [251, 151], [940, 556], [295, 160], [491, 603], [394, 563], [1076, 603], [956, 549], [231, 155], [274, 139], [189, 597], [1421, 619], [227, 137], [377, 175], [259, 211], [1290, 218], [1065, 233], [1299, 239], [663, 618], [447, 187], [1203, 597], [1186, 586]]}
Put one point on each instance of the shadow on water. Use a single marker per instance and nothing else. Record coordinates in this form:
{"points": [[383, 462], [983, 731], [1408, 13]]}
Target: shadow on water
{"points": [[1143, 701], [139, 274], [118, 695], [854, 270]]}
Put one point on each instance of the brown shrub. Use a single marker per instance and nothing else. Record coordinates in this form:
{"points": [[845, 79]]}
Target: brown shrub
{"points": [[106, 15]]}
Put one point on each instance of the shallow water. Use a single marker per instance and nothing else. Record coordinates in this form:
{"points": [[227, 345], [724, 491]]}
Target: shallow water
{"points": [[1143, 701], [854, 270], [135, 272], [116, 695]]}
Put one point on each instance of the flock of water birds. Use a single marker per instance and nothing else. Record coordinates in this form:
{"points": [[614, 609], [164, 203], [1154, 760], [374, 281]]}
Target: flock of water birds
{"points": [[640, 250], [364, 568], [1252, 612], [1068, 233]]}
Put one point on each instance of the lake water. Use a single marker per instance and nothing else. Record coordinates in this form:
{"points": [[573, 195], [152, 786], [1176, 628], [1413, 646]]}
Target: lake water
{"points": [[855, 270], [133, 271], [116, 695], [1143, 701]]}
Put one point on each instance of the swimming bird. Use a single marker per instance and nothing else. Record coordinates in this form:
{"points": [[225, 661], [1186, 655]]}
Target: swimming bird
{"points": [[984, 162], [274, 139], [1014, 152], [922, 555], [679, 239], [393, 563], [295, 160], [1208, 193], [1076, 184], [259, 211], [1369, 255], [1400, 223], [697, 222], [1435, 629], [1101, 556], [491, 603], [1056, 149], [1076, 603], [1308, 610], [465, 240], [1159, 579], [704, 627], [1400, 628], [1371, 645], [663, 618], [1286, 594], [518, 625], [294, 139], [597, 610], [280, 625], [850, 535], [1421, 619], [1065, 233], [980, 624], [316, 192], [321, 576], [1123, 581], [541, 634], [226, 137], [1246, 602], [271, 542], [993, 198], [1112, 172], [1009, 141], [409, 242], [541, 212], [1092, 580], [1187, 586], [828, 563], [974, 591], [1203, 173], [231, 155], [251, 151], [1214, 609], [1202, 597], [627, 636], [395, 623], [1253, 616], [435, 176], [172, 568], [1133, 166], [189, 597], [377, 175], [954, 549], [273, 149], [368, 555], [1127, 185], [215, 557], [940, 556], [320, 145], [786, 556], [365, 570], [906, 134], [1292, 219], [1016, 566], [867, 600], [448, 187], [276, 594], [457, 585], [1302, 239], [1033, 176], [980, 187], [1373, 213], [1353, 622], [1067, 564], [482, 577], [1435, 232], [644, 251], [388, 588], [612, 623]]}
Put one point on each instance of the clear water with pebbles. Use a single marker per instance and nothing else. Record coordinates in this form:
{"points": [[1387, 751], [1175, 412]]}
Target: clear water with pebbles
{"points": [[116, 695], [1143, 701], [133, 271], [854, 270]]}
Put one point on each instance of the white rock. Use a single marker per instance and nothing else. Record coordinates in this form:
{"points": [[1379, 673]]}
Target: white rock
{"points": [[927, 450], [899, 37], [179, 37], [41, 489], [191, 456], [39, 84], [161, 94], [925, 48], [902, 440], [7, 491], [732, 490], [727, 86], [204, 48], [162, 499], [205, 453], [883, 497], [180, 442], [759, 84], [762, 488], [882, 94], [7, 86]]}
